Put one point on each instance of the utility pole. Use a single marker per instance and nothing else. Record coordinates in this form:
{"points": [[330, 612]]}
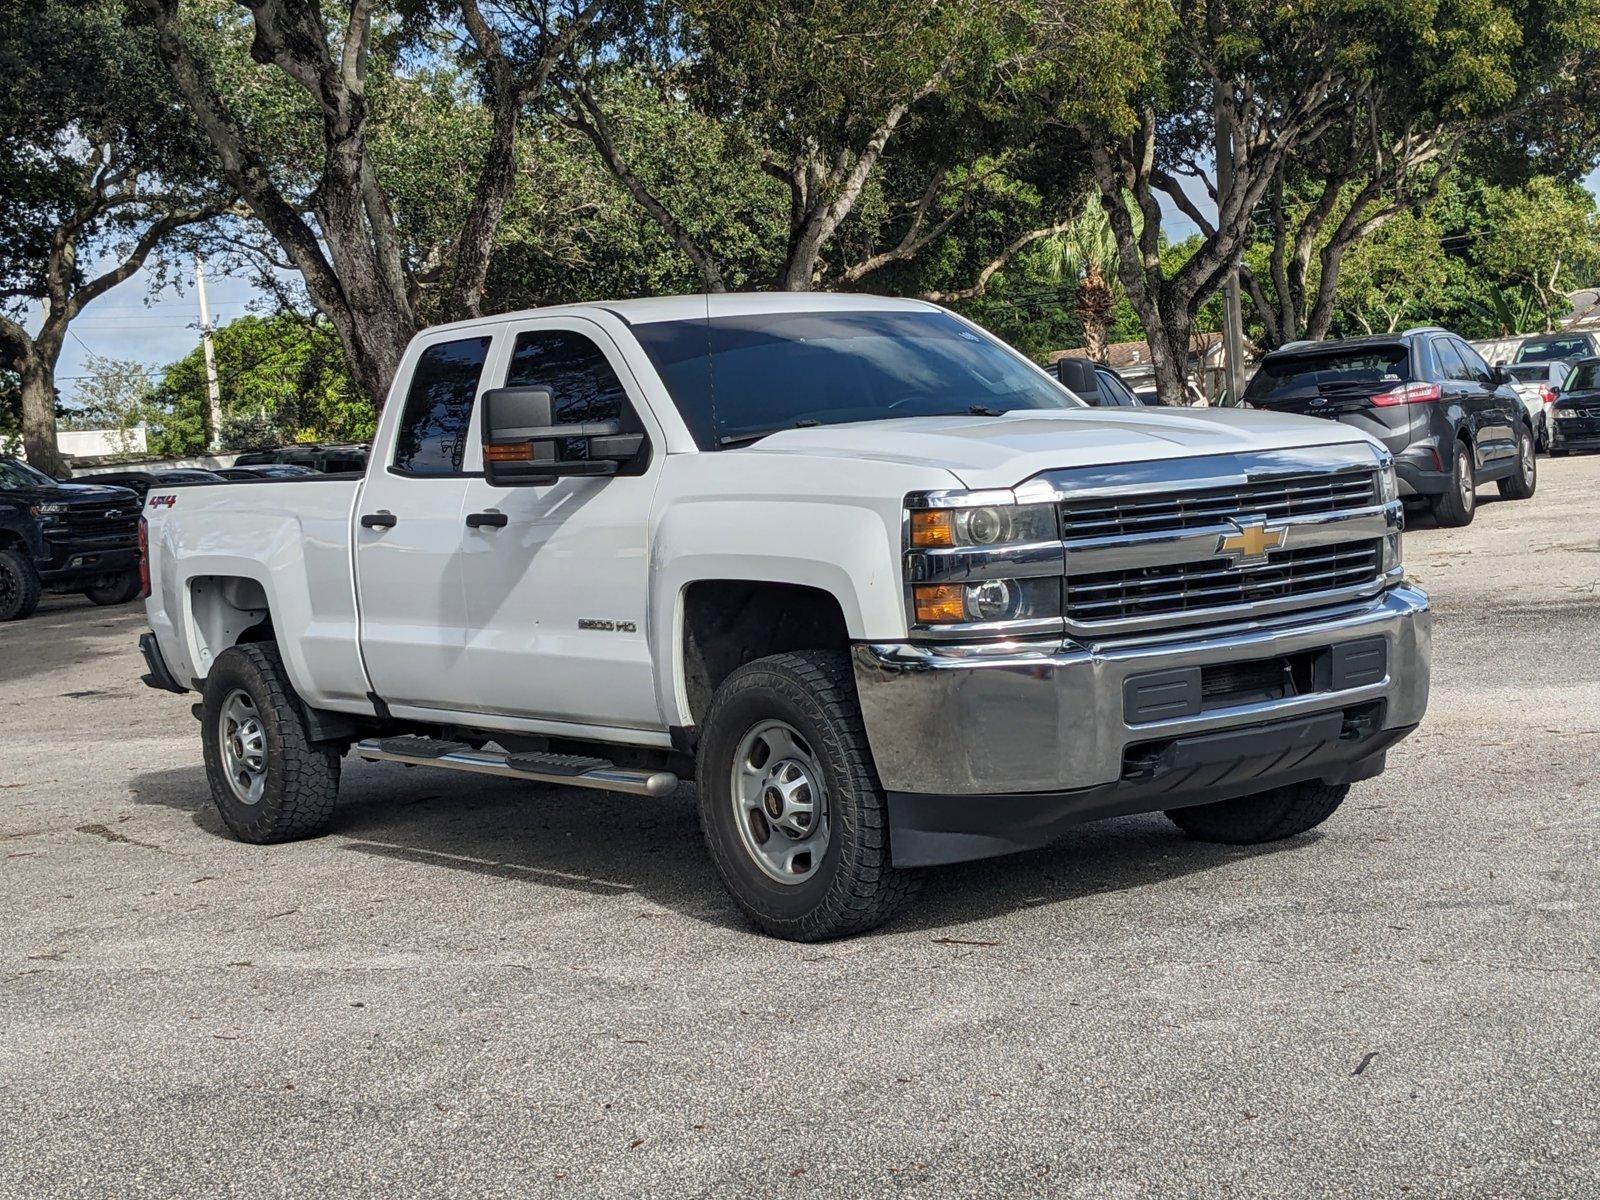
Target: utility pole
{"points": [[1232, 312], [213, 392]]}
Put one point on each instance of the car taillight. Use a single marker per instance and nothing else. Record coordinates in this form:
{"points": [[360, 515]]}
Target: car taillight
{"points": [[144, 558], [1547, 395], [1408, 393]]}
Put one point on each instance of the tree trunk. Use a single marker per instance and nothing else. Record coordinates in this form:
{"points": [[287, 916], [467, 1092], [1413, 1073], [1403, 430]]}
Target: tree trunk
{"points": [[38, 371], [1095, 304]]}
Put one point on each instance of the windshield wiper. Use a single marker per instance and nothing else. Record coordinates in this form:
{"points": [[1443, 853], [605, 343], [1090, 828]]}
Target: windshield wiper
{"points": [[984, 410], [755, 435]]}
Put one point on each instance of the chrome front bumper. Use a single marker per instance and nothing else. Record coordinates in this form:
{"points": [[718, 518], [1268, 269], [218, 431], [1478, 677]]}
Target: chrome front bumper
{"points": [[993, 719]]}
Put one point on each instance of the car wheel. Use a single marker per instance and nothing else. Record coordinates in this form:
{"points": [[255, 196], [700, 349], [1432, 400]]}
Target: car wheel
{"points": [[270, 781], [19, 586], [1459, 502], [790, 805], [1264, 817], [1520, 484], [119, 590]]}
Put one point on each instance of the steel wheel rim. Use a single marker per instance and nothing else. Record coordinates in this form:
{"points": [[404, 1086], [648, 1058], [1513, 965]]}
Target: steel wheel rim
{"points": [[243, 740], [780, 804]]}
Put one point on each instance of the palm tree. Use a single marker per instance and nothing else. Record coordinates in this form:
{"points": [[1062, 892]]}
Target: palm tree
{"points": [[1087, 254]]}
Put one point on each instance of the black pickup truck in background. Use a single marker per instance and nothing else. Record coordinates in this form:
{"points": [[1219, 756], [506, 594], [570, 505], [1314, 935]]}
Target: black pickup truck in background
{"points": [[64, 537]]}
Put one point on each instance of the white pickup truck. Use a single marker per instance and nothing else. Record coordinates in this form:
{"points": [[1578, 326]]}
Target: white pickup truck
{"points": [[891, 594]]}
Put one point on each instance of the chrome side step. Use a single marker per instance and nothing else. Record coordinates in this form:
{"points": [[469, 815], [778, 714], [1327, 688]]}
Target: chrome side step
{"points": [[570, 769]]}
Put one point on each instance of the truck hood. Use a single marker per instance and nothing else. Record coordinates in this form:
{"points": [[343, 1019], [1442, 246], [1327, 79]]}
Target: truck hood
{"points": [[75, 494], [999, 452]]}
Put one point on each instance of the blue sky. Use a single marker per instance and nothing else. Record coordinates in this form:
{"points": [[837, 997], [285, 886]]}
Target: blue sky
{"points": [[128, 323]]}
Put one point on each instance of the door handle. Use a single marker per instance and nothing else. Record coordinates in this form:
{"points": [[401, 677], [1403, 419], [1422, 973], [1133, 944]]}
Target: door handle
{"points": [[382, 519], [490, 520]]}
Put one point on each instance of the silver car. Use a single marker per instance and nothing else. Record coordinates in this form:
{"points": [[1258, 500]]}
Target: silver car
{"points": [[1538, 384]]}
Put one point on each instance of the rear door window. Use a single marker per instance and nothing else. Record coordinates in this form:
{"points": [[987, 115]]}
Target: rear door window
{"points": [[1450, 360], [438, 409]]}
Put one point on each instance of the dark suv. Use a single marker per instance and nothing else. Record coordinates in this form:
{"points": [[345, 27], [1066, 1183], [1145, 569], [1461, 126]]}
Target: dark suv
{"points": [[65, 537], [1451, 420]]}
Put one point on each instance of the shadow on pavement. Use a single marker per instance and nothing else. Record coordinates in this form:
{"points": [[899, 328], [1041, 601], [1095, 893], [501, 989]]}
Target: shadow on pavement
{"points": [[605, 844]]}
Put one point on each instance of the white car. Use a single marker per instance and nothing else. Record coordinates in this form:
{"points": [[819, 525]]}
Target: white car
{"points": [[890, 593], [1538, 384]]}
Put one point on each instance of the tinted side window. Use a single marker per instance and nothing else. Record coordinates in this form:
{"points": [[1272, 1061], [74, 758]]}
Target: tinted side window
{"points": [[438, 411], [582, 385], [1476, 367], [1449, 360]]}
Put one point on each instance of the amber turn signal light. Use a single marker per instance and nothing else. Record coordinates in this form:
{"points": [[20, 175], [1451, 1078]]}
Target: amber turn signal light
{"points": [[510, 452], [940, 604], [933, 528]]}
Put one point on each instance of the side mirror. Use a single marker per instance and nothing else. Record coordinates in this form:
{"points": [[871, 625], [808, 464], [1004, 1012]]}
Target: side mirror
{"points": [[1079, 377], [1499, 376], [522, 446]]}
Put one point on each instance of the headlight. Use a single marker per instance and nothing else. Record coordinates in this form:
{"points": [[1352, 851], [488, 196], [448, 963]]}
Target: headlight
{"points": [[1563, 414], [978, 564], [54, 509], [987, 601], [983, 525]]}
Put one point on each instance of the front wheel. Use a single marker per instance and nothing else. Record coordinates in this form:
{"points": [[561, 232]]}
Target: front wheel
{"points": [[1459, 502], [793, 814], [271, 783], [1264, 817], [119, 589], [1519, 484], [19, 586]]}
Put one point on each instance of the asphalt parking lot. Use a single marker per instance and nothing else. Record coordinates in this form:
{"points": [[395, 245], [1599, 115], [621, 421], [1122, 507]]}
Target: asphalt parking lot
{"points": [[473, 988]]}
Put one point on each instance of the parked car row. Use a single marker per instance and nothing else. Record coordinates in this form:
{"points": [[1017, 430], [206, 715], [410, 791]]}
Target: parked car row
{"points": [[82, 536]]}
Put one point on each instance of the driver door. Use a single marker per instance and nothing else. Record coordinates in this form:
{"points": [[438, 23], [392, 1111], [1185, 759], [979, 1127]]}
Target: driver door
{"points": [[557, 576]]}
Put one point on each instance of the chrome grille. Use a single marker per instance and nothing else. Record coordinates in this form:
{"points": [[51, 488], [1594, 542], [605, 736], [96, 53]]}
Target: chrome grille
{"points": [[1294, 496], [1212, 583]]}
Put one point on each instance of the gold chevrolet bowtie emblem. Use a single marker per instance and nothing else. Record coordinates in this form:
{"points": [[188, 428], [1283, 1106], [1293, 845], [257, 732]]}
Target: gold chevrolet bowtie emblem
{"points": [[1252, 542]]}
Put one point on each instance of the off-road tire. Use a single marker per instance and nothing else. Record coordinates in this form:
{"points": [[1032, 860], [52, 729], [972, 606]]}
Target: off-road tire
{"points": [[1457, 505], [1264, 817], [302, 777], [855, 888], [1520, 483], [19, 586], [125, 588]]}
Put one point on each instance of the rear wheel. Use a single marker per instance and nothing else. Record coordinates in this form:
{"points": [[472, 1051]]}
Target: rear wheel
{"points": [[793, 814], [119, 589], [271, 783], [1519, 484], [19, 586], [1265, 817], [1460, 499]]}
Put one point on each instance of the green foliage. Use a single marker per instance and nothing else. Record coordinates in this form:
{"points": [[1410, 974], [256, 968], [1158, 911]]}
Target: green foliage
{"points": [[1544, 236], [1394, 276], [282, 378]]}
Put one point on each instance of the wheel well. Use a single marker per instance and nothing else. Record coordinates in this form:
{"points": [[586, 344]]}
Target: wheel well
{"points": [[228, 610], [10, 539], [729, 622]]}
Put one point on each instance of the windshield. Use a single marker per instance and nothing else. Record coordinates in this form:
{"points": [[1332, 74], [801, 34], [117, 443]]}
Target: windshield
{"points": [[735, 379], [1553, 349], [1585, 377], [1531, 373], [16, 474], [1352, 368]]}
